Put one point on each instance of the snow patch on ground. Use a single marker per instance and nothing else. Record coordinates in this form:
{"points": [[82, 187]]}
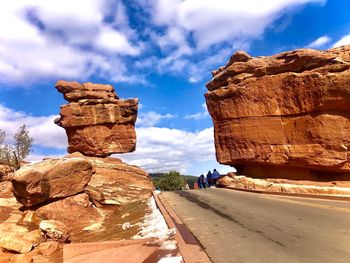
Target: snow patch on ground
{"points": [[170, 259], [169, 245], [154, 224]]}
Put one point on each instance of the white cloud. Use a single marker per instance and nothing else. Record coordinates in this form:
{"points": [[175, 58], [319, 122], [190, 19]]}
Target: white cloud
{"points": [[192, 29], [164, 149], [41, 128], [83, 38], [319, 42], [211, 22], [62, 39], [114, 41], [193, 68], [345, 40], [199, 115], [152, 118]]}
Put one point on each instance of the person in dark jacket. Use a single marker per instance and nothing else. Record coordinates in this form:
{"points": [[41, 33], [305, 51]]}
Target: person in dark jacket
{"points": [[204, 181], [201, 181], [210, 179], [215, 175]]}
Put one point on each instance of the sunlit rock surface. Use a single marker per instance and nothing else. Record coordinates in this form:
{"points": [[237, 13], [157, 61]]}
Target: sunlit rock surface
{"points": [[96, 121], [284, 116], [50, 179]]}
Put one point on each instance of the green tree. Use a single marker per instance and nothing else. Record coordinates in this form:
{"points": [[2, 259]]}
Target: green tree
{"points": [[13, 155], [171, 181]]}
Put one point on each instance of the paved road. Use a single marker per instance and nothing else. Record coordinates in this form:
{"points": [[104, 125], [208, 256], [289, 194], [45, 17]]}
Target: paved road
{"points": [[245, 227]]}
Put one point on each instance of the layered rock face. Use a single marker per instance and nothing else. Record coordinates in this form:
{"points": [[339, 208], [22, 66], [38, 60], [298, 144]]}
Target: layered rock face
{"points": [[284, 116], [96, 121]]}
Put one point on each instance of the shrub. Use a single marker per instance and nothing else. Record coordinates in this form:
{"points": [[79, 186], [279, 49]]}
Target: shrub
{"points": [[171, 181], [13, 155]]}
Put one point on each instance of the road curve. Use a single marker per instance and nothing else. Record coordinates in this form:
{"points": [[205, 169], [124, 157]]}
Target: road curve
{"points": [[245, 227]]}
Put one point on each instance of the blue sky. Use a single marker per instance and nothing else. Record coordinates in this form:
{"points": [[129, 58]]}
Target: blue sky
{"points": [[160, 51]]}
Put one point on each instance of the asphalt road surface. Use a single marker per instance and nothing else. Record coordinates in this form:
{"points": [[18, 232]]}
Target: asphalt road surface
{"points": [[245, 227]]}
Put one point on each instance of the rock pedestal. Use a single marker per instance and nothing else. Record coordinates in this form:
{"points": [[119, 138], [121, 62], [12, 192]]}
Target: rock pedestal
{"points": [[284, 116]]}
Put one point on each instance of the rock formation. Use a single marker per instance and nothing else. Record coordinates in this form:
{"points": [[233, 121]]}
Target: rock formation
{"points": [[96, 121], [284, 116], [83, 196]]}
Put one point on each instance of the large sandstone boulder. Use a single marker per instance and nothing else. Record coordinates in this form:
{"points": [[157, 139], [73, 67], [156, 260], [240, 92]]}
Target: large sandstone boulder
{"points": [[115, 182], [51, 179], [96, 121], [118, 183], [284, 116]]}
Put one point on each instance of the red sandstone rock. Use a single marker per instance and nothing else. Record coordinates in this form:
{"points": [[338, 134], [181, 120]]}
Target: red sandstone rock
{"points": [[284, 116], [285, 185], [50, 179], [75, 211], [118, 182], [5, 173], [97, 123], [17, 238], [74, 91], [115, 182], [6, 189]]}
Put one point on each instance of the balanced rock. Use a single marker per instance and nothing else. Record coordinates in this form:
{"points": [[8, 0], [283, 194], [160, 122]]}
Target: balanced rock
{"points": [[287, 115], [96, 121], [51, 179]]}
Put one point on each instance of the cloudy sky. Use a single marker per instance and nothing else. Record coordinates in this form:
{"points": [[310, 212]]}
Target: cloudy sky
{"points": [[160, 51]]}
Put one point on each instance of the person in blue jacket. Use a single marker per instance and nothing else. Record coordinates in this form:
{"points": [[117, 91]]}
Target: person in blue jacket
{"points": [[216, 175], [210, 181]]}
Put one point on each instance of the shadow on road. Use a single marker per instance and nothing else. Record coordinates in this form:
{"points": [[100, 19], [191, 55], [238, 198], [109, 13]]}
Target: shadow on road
{"points": [[193, 198]]}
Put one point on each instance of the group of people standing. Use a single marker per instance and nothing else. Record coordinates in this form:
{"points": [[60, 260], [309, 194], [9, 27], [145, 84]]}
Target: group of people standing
{"points": [[209, 180]]}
